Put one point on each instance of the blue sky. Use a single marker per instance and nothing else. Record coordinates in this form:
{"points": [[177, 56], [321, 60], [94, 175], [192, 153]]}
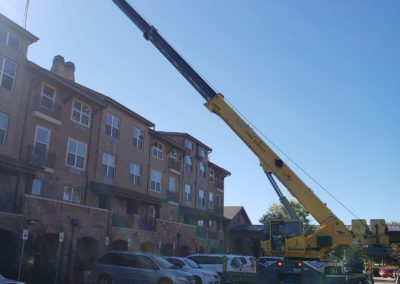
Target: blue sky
{"points": [[321, 79]]}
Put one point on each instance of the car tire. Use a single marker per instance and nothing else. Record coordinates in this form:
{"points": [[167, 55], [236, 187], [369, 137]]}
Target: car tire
{"points": [[197, 280], [164, 281], [106, 279]]}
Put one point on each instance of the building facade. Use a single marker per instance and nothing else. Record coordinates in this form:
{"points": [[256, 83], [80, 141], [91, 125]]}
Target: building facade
{"points": [[81, 174]]}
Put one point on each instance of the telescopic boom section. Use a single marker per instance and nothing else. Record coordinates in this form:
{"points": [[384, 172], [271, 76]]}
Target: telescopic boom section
{"points": [[151, 34], [270, 162]]}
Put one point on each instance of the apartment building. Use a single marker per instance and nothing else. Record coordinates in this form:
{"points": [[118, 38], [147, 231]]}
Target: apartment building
{"points": [[80, 174]]}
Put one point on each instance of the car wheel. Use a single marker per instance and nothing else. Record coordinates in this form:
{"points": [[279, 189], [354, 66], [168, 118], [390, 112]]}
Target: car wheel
{"points": [[105, 279], [197, 280], [164, 281]]}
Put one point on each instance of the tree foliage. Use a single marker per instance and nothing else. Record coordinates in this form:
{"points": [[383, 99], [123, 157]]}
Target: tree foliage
{"points": [[277, 211]]}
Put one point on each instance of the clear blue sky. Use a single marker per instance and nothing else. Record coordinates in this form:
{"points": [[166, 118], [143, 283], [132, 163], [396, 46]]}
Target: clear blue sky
{"points": [[319, 78]]}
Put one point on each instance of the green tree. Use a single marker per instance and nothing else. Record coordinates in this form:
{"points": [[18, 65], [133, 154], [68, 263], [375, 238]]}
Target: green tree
{"points": [[277, 211]]}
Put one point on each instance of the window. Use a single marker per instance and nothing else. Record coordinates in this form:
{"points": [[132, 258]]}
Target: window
{"points": [[9, 39], [155, 181], [48, 97], [188, 145], [3, 127], [157, 150], [201, 198], [202, 170], [76, 154], [72, 194], [200, 223], [137, 138], [171, 184], [37, 185], [108, 165], [210, 200], [8, 70], [112, 125], [211, 175], [135, 172], [188, 192], [201, 152], [42, 139], [188, 164], [218, 201], [81, 113], [173, 156]]}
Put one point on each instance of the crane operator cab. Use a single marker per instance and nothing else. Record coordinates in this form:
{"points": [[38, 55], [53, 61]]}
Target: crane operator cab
{"points": [[281, 235]]}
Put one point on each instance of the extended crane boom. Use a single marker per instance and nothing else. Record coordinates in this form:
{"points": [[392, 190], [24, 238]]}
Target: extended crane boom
{"points": [[283, 237]]}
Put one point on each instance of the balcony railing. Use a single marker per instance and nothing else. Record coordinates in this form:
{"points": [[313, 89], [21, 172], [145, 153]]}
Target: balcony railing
{"points": [[147, 224], [172, 196], [219, 184], [213, 235], [39, 156], [47, 106], [174, 164], [7, 202], [123, 221], [201, 232]]}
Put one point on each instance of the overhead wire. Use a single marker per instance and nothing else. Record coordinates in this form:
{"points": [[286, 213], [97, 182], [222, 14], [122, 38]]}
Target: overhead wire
{"points": [[291, 160]]}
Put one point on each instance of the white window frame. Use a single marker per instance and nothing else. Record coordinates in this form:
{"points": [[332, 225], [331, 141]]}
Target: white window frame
{"points": [[157, 150], [173, 156], [171, 184], [135, 173], [202, 198], [114, 126], [109, 161], [2, 72], [7, 42], [36, 137], [81, 113], [188, 192], [6, 119], [155, 181], [202, 170], [138, 138], [210, 200], [211, 175], [74, 195], [40, 182], [76, 154], [188, 164], [45, 96]]}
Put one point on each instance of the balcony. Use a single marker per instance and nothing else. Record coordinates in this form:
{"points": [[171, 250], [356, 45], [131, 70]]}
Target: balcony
{"points": [[38, 155], [123, 221], [201, 232], [213, 235], [172, 196], [174, 165], [219, 184], [147, 224], [47, 106], [7, 203]]}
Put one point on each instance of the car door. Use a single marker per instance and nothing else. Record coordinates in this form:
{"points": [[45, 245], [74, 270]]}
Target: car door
{"points": [[147, 271]]}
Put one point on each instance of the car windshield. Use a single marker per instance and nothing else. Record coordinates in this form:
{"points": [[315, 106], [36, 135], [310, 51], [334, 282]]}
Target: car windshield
{"points": [[191, 263], [162, 262]]}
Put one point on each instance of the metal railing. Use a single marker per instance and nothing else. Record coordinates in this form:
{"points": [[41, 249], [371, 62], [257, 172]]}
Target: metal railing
{"points": [[39, 156], [147, 224], [123, 221], [48, 107], [172, 196], [174, 164]]}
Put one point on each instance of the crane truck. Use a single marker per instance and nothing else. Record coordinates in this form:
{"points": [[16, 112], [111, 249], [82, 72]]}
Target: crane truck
{"points": [[282, 237]]}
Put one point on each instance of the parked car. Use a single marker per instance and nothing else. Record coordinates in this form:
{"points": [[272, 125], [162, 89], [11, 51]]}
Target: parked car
{"points": [[240, 263], [4, 280], [212, 262], [269, 260], [201, 275], [385, 273], [137, 268]]}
